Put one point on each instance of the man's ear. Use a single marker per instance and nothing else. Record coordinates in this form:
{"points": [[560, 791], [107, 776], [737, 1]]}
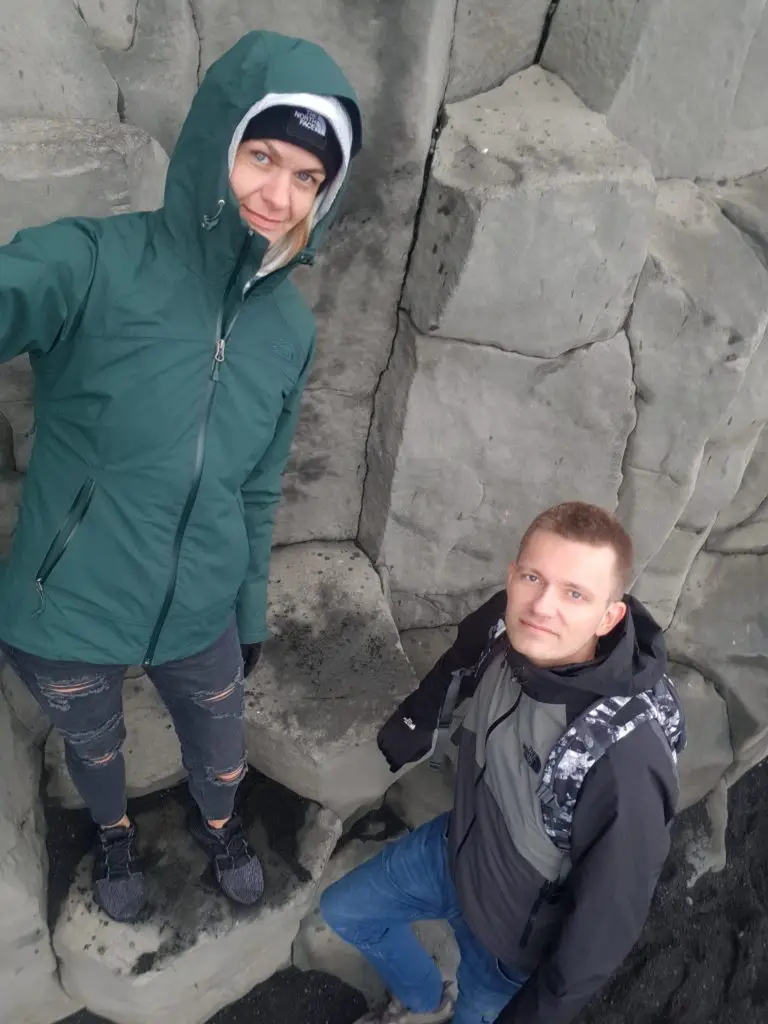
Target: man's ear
{"points": [[614, 613], [511, 570]]}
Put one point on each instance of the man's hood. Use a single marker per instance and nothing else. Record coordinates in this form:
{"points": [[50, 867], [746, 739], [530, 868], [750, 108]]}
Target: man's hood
{"points": [[632, 658], [262, 69]]}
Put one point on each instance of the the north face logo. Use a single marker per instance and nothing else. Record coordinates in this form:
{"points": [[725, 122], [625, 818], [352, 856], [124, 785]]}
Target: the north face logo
{"points": [[311, 122], [532, 758]]}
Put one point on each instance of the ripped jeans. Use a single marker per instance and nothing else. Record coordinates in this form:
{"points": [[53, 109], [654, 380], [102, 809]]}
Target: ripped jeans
{"points": [[204, 695]]}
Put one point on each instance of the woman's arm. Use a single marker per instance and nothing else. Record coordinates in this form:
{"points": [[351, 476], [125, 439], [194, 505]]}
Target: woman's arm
{"points": [[45, 276], [261, 494]]}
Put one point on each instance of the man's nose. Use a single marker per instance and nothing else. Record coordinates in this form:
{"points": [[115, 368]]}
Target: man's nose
{"points": [[545, 602]]}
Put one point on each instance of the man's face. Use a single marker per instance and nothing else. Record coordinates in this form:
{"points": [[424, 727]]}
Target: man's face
{"points": [[560, 599]]}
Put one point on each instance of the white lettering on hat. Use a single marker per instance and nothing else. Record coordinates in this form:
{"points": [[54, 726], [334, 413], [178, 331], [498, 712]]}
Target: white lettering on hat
{"points": [[311, 121]]}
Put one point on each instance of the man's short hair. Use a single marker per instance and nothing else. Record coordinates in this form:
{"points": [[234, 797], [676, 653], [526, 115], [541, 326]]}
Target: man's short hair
{"points": [[588, 524]]}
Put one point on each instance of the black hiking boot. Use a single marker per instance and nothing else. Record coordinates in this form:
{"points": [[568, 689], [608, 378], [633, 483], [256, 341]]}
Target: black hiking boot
{"points": [[235, 865], [118, 874]]}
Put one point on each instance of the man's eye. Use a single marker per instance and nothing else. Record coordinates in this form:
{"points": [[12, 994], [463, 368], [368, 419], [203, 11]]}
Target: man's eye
{"points": [[575, 595], [260, 158], [530, 577], [305, 177]]}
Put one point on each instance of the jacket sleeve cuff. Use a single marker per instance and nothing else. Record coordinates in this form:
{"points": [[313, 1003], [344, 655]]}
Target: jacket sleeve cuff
{"points": [[252, 613]]}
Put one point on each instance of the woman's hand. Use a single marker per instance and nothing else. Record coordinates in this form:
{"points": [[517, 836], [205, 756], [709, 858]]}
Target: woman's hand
{"points": [[251, 654]]}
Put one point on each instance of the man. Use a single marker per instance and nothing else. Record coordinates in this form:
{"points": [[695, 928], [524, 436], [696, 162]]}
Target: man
{"points": [[545, 899]]}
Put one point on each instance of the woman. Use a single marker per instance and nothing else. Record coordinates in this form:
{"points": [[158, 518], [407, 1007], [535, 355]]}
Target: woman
{"points": [[170, 352]]}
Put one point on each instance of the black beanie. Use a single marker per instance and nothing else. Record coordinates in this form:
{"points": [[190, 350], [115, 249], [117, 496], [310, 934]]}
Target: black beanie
{"points": [[300, 127]]}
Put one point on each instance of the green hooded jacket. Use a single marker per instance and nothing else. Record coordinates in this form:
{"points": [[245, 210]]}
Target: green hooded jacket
{"points": [[146, 518]]}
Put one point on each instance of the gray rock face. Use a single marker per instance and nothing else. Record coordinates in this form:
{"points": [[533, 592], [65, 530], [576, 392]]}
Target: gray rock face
{"points": [[324, 476], [626, 59], [451, 483], [721, 473], [693, 335], [198, 952], [151, 750], [49, 65], [29, 989], [520, 173], [709, 754], [112, 22], [157, 73], [492, 40], [746, 141], [742, 527], [721, 627], [328, 679], [51, 169]]}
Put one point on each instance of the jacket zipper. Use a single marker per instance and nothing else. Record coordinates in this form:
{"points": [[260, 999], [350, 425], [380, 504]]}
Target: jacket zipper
{"points": [[219, 355], [479, 779], [546, 894], [525, 937], [64, 535]]}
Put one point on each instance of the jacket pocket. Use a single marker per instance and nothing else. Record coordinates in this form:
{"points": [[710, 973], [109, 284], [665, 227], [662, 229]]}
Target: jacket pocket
{"points": [[64, 535]]}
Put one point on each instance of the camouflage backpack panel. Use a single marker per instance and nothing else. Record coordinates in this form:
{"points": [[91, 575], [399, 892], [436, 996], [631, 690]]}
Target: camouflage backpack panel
{"points": [[588, 737]]}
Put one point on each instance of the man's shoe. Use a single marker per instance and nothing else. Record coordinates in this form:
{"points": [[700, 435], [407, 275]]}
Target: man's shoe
{"points": [[395, 1013], [235, 865], [118, 874]]}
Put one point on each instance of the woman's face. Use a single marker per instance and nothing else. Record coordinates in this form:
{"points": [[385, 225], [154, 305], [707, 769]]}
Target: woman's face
{"points": [[275, 184]]}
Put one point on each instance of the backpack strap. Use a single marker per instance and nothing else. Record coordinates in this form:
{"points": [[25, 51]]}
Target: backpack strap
{"points": [[587, 739], [445, 718]]}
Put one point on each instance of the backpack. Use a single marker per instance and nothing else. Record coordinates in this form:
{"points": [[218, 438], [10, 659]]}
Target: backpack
{"points": [[588, 737]]}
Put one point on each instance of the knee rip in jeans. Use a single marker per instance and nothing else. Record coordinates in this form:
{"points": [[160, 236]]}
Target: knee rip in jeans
{"points": [[227, 778], [99, 762], [108, 736]]}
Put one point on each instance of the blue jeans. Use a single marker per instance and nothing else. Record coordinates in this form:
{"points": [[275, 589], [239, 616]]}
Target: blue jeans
{"points": [[374, 906]]}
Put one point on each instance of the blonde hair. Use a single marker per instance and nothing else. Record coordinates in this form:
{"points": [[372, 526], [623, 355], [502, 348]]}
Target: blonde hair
{"points": [[289, 246]]}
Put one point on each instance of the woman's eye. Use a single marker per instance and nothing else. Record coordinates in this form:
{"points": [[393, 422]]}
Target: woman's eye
{"points": [[305, 178], [260, 158], [575, 595]]}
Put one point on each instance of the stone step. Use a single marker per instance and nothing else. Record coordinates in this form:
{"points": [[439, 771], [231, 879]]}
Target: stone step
{"points": [[196, 952], [29, 989], [332, 674]]}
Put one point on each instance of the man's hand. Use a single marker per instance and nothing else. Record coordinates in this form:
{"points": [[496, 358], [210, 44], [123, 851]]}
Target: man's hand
{"points": [[403, 739], [251, 654]]}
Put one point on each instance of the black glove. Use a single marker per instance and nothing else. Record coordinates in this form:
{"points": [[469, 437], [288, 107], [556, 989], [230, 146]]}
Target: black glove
{"points": [[251, 654], [404, 737]]}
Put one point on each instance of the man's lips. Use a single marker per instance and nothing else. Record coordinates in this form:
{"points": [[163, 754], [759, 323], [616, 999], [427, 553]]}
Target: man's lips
{"points": [[537, 629]]}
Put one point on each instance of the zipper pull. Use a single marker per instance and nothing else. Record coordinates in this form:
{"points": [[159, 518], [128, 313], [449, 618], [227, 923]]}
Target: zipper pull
{"points": [[218, 357], [41, 598]]}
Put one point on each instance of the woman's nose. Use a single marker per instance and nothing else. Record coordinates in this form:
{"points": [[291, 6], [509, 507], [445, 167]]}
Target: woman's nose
{"points": [[276, 190]]}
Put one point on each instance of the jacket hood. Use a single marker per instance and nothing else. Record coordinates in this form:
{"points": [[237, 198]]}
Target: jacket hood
{"points": [[631, 658], [262, 69]]}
